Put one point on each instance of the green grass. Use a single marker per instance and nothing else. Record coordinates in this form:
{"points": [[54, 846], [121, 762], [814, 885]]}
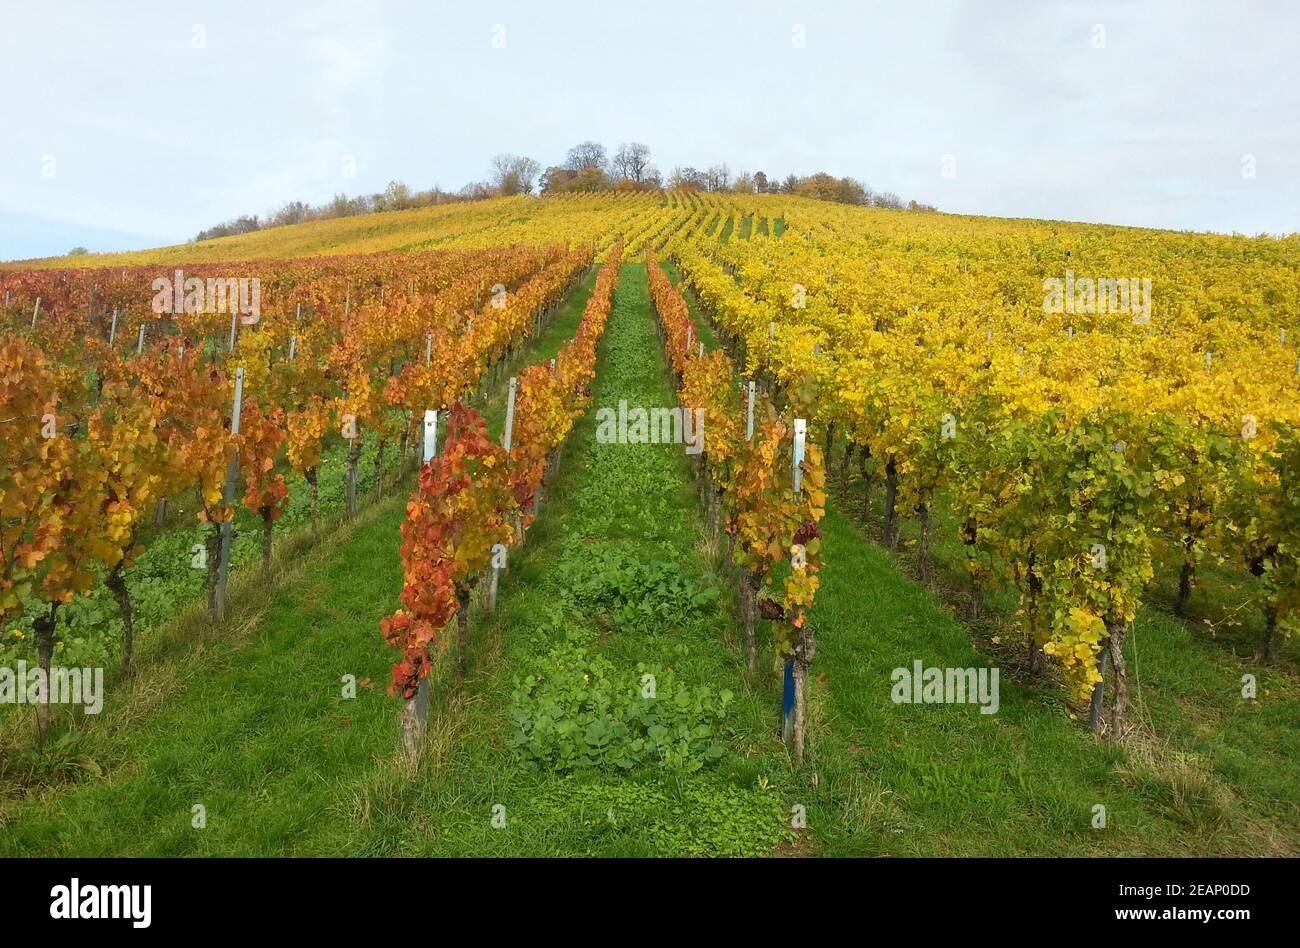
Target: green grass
{"points": [[249, 720]]}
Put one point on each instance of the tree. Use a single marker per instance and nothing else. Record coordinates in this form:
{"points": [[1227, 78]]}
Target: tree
{"points": [[476, 191], [294, 212], [396, 197], [760, 182], [688, 178], [555, 179], [631, 161], [718, 178], [515, 174], [744, 183], [585, 155], [78, 252], [590, 178], [821, 186]]}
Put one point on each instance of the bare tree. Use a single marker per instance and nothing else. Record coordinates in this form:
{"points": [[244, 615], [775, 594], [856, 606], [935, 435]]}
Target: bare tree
{"points": [[515, 174], [395, 197], [718, 178], [585, 155], [688, 178], [631, 161]]}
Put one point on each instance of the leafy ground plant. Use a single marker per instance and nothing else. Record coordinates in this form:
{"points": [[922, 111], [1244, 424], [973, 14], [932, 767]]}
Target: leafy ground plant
{"points": [[576, 711]]}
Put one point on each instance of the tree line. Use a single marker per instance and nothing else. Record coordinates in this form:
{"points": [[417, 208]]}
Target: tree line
{"points": [[587, 166]]}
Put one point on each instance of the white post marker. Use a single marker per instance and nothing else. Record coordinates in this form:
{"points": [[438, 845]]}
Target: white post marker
{"points": [[297, 313], [749, 423], [430, 447], [36, 311], [416, 711], [510, 414], [139, 342], [505, 442], [293, 346], [788, 698], [771, 330], [800, 437], [112, 330], [232, 473], [701, 350]]}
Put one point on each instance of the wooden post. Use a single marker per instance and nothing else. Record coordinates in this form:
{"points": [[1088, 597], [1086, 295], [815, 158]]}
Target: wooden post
{"points": [[112, 331], [36, 311], [139, 343]]}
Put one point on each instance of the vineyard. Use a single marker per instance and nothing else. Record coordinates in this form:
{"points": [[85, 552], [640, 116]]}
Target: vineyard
{"points": [[654, 523]]}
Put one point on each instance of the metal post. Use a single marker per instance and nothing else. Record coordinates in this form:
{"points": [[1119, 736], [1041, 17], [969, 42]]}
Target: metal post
{"points": [[510, 415], [749, 424], [788, 698], [232, 473], [430, 446]]}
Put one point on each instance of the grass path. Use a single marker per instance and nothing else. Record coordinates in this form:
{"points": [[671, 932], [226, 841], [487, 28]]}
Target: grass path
{"points": [[616, 568]]}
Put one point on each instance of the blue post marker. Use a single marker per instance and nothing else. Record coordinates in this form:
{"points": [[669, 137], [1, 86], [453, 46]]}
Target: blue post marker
{"points": [[787, 704], [796, 479]]}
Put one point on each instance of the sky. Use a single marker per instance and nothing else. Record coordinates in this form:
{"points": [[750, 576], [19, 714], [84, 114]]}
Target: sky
{"points": [[133, 124]]}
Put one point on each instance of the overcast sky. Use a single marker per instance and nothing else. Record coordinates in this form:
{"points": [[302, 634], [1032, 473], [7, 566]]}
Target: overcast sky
{"points": [[131, 124]]}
